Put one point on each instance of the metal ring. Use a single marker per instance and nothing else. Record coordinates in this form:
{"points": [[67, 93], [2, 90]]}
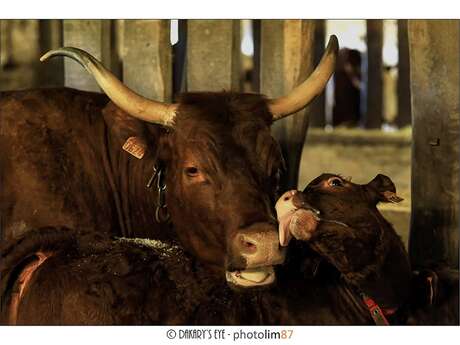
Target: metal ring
{"points": [[158, 214]]}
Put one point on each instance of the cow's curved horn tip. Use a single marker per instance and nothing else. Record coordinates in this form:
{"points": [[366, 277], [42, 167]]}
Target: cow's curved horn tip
{"points": [[333, 44], [46, 56], [55, 52]]}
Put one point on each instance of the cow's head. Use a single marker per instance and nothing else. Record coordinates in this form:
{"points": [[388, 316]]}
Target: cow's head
{"points": [[222, 166]]}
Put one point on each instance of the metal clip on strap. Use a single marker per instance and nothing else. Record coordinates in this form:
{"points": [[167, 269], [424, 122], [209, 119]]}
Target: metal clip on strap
{"points": [[161, 211], [152, 178], [375, 311]]}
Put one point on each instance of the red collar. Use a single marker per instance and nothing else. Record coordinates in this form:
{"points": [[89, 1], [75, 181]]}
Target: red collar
{"points": [[378, 314]]}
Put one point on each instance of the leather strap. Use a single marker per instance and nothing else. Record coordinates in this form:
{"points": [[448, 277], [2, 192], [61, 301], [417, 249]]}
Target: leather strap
{"points": [[377, 314]]}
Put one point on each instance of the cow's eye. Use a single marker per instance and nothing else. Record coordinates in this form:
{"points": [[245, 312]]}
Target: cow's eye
{"points": [[336, 182], [192, 171]]}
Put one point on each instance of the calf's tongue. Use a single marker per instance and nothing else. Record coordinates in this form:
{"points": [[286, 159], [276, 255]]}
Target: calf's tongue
{"points": [[283, 229]]}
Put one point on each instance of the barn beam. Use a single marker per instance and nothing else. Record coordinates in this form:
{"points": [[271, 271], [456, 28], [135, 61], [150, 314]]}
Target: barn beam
{"points": [[373, 117], [434, 80], [147, 58], [93, 36], [404, 107], [50, 36], [286, 59], [213, 55]]}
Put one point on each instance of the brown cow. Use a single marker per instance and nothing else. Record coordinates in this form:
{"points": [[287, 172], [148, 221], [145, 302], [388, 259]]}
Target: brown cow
{"points": [[89, 279], [213, 153], [57, 276]]}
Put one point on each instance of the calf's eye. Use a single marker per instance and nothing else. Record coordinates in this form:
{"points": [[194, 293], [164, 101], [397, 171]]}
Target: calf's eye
{"points": [[336, 182]]}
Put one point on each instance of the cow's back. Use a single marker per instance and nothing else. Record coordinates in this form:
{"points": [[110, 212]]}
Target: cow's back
{"points": [[88, 278], [53, 150]]}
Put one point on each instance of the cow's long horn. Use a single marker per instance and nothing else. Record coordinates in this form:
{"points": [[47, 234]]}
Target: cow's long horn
{"points": [[310, 88], [134, 104]]}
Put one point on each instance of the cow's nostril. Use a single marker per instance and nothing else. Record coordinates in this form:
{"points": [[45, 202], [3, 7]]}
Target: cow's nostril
{"points": [[250, 245], [247, 245]]}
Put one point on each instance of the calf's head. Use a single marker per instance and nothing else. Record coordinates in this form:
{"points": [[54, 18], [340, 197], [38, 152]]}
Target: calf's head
{"points": [[222, 166], [331, 201], [340, 222]]}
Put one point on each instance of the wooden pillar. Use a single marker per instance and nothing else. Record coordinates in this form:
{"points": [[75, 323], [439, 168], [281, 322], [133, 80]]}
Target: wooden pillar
{"points": [[51, 73], [92, 36], [286, 60], [147, 60], [434, 77], [213, 53], [5, 43], [180, 58], [374, 81], [404, 109], [318, 106], [23, 46], [256, 27]]}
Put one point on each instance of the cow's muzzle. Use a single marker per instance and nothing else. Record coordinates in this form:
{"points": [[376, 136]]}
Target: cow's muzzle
{"points": [[254, 252]]}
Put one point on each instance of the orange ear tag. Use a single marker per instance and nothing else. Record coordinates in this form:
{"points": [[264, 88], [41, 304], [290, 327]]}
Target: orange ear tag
{"points": [[135, 146]]}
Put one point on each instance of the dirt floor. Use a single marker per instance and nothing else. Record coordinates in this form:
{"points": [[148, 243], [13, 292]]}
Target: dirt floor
{"points": [[362, 154]]}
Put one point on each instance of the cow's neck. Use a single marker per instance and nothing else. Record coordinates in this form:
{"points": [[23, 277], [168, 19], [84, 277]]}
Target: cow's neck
{"points": [[340, 302], [385, 279], [385, 274], [389, 284], [134, 202]]}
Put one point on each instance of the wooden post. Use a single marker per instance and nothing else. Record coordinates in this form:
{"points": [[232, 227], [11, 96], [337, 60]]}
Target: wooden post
{"points": [[50, 36], [180, 58], [92, 36], [23, 46], [374, 109], [318, 106], [147, 58], [404, 109], [213, 54], [434, 77], [256, 27], [286, 59], [5, 43]]}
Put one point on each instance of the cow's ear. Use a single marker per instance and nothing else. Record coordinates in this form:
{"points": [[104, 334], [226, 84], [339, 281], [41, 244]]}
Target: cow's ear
{"points": [[383, 189], [130, 133]]}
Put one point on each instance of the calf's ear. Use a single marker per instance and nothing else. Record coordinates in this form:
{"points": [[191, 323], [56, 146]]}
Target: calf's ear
{"points": [[383, 189]]}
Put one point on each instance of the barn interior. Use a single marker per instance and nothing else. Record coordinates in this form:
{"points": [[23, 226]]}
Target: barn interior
{"points": [[364, 124]]}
